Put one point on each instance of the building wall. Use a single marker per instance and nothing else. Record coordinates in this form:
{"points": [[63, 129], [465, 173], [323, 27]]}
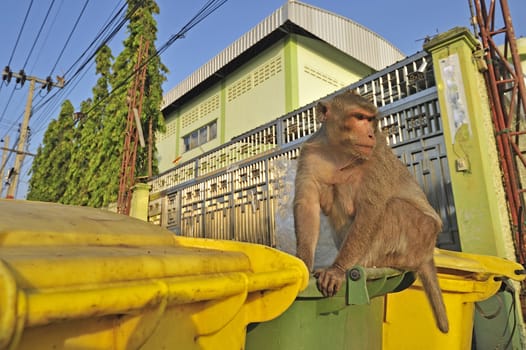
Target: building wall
{"points": [[255, 93], [320, 75], [166, 143], [291, 73]]}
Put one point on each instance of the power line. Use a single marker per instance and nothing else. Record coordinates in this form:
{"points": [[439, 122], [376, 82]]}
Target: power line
{"points": [[207, 9], [110, 25], [20, 32], [43, 46], [8, 102], [38, 35], [38, 55], [18, 39], [99, 35], [114, 30], [22, 73], [69, 37]]}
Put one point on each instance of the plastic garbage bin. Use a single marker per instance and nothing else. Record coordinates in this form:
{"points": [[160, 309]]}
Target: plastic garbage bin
{"points": [[82, 278], [350, 320], [464, 279]]}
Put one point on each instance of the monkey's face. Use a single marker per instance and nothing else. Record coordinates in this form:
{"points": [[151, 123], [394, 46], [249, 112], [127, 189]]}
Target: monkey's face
{"points": [[356, 128]]}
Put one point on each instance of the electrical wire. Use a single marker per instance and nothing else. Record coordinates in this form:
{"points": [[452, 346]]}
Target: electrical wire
{"points": [[52, 102], [114, 29], [38, 35], [207, 9], [20, 32], [69, 37], [68, 86], [98, 42], [46, 38], [8, 102], [31, 50], [18, 38], [38, 55], [101, 39]]}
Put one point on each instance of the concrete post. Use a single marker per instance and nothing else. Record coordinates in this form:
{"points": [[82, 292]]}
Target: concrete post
{"points": [[482, 214], [480, 202], [140, 201]]}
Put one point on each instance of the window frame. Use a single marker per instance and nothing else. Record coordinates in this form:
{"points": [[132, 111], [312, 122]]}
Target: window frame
{"points": [[200, 136]]}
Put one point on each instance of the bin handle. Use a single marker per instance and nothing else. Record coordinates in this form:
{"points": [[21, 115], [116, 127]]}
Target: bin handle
{"points": [[366, 283]]}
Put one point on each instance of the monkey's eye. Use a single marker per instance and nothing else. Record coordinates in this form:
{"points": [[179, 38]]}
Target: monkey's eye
{"points": [[364, 117]]}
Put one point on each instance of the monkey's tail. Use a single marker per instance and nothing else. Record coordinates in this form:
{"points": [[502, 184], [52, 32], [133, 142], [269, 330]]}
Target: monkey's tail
{"points": [[428, 275]]}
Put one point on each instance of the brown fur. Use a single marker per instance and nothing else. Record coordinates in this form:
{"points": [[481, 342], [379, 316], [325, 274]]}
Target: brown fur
{"points": [[379, 212]]}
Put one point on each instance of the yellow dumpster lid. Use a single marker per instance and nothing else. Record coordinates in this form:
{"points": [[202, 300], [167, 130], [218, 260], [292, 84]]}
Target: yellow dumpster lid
{"points": [[479, 267], [104, 263], [26, 223]]}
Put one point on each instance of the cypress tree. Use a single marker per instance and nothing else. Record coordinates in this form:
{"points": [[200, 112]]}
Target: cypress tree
{"points": [[89, 175], [51, 164], [84, 186], [76, 192], [142, 26]]}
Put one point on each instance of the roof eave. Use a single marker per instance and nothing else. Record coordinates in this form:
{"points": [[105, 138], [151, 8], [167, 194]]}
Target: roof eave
{"points": [[293, 17]]}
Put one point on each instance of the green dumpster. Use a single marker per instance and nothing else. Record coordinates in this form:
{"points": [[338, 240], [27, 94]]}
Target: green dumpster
{"points": [[350, 320]]}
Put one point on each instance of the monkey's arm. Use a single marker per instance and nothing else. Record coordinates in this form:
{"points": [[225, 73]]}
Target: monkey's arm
{"points": [[306, 219]]}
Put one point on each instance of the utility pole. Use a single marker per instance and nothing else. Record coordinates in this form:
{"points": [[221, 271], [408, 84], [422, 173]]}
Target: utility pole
{"points": [[47, 84], [4, 160], [5, 157]]}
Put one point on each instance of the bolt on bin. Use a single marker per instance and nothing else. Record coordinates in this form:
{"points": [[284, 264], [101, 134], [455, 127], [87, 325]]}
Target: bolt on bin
{"points": [[464, 280], [82, 278], [352, 319]]}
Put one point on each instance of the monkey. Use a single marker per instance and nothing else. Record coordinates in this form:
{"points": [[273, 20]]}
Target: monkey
{"points": [[380, 215]]}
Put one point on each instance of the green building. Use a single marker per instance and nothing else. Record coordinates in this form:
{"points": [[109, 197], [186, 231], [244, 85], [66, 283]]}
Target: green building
{"points": [[293, 57]]}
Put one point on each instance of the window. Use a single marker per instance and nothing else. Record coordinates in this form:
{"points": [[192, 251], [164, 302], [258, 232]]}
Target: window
{"points": [[200, 136]]}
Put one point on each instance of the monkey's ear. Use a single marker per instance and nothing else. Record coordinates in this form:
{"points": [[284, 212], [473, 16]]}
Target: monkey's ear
{"points": [[321, 112]]}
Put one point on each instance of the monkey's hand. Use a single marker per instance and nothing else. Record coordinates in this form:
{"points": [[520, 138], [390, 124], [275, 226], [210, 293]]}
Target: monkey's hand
{"points": [[330, 280]]}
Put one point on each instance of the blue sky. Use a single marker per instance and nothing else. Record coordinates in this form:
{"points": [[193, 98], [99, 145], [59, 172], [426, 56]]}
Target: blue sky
{"points": [[405, 23]]}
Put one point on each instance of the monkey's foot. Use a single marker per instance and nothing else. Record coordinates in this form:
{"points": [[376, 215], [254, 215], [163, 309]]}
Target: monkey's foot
{"points": [[330, 280]]}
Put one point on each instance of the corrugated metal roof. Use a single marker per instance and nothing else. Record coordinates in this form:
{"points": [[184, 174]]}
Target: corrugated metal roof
{"points": [[344, 34]]}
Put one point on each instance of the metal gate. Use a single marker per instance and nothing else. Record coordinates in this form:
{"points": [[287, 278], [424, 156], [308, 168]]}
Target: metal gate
{"points": [[418, 141]]}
